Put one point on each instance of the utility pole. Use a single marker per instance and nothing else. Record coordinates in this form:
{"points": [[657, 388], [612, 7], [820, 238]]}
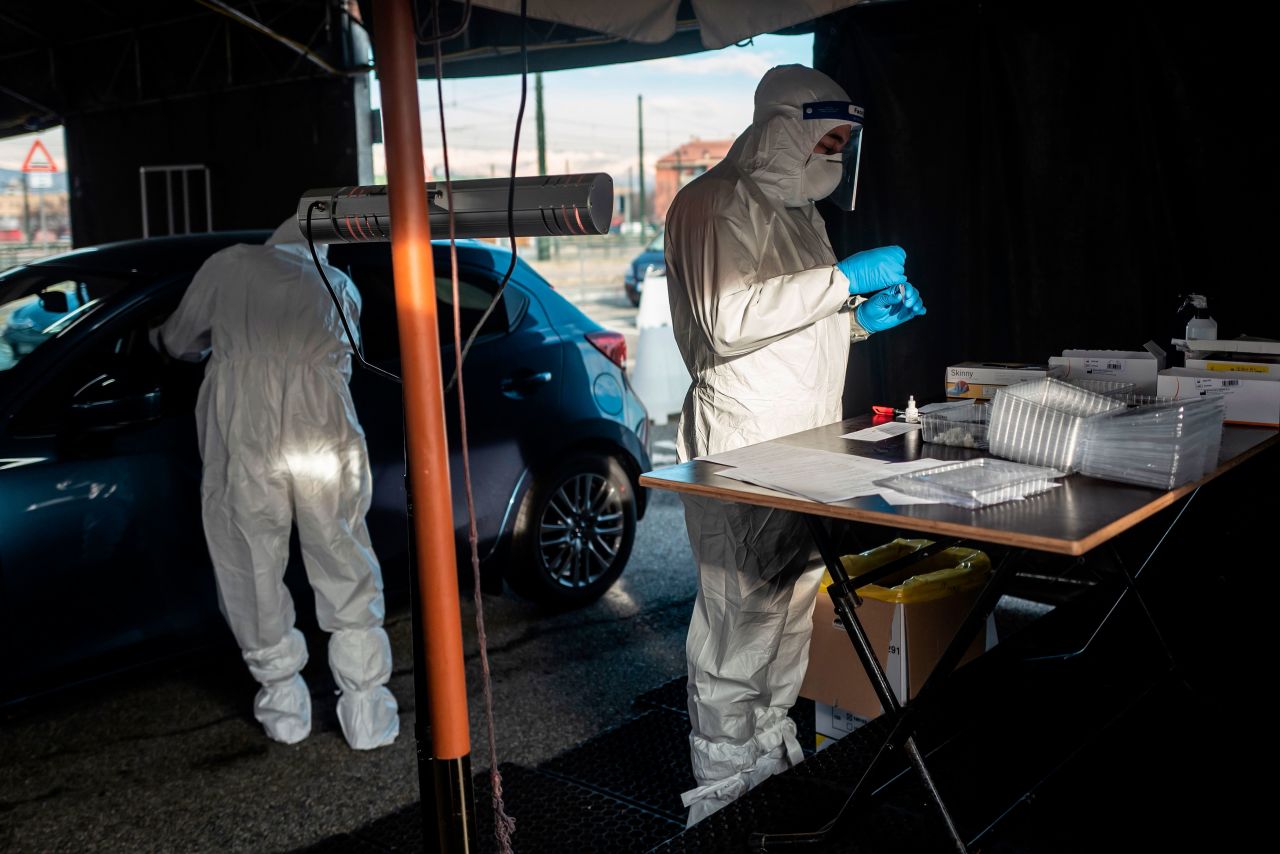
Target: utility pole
{"points": [[640, 113], [631, 195], [543, 248], [26, 207]]}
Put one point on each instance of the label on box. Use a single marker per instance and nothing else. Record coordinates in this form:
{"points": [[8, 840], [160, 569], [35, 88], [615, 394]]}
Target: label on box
{"points": [[1250, 398]]}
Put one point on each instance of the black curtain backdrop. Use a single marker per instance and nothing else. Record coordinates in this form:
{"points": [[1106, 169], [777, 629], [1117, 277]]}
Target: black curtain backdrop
{"points": [[1058, 175]]}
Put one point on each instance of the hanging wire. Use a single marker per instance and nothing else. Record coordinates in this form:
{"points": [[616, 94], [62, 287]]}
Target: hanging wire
{"points": [[356, 350], [437, 37], [511, 192], [503, 825]]}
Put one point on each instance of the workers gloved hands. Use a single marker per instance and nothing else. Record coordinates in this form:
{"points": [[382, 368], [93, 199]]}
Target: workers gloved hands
{"points": [[889, 308], [874, 269]]}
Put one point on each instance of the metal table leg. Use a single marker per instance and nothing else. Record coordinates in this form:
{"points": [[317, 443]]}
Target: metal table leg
{"points": [[845, 600], [1130, 586]]}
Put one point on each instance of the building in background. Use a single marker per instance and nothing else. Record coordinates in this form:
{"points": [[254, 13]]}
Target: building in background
{"points": [[39, 215], [681, 166]]}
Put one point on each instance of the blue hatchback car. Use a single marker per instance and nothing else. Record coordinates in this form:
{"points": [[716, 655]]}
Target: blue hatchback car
{"points": [[653, 257], [101, 546]]}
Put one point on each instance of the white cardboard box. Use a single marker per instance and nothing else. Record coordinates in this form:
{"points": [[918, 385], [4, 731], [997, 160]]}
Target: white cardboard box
{"points": [[979, 380], [832, 723], [1231, 345], [1139, 367], [1251, 399], [1233, 367]]}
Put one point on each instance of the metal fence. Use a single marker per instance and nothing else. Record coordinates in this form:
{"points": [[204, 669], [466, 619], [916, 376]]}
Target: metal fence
{"points": [[13, 254]]}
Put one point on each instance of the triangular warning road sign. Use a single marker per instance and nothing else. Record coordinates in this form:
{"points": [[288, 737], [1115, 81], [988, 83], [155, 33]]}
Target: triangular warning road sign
{"points": [[39, 159]]}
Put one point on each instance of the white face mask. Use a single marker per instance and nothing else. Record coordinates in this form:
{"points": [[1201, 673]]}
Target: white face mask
{"points": [[821, 176]]}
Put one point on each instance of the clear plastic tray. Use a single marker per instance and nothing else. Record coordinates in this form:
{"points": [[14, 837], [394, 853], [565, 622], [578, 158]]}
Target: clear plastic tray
{"points": [[974, 483], [958, 426], [1109, 388], [1163, 445], [1041, 422]]}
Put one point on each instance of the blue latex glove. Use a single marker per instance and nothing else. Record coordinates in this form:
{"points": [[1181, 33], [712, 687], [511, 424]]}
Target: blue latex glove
{"points": [[874, 269], [889, 308]]}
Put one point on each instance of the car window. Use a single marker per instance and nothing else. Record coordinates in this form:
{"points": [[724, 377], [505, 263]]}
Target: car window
{"points": [[378, 328], [37, 303], [657, 244], [118, 362]]}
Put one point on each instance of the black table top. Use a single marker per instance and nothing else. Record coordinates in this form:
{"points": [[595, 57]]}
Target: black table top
{"points": [[1078, 516]]}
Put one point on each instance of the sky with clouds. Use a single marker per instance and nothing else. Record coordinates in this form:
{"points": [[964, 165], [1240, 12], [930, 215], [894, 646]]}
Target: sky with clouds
{"points": [[591, 115]]}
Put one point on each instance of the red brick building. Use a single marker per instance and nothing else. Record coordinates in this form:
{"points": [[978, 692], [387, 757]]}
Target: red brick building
{"points": [[681, 166]]}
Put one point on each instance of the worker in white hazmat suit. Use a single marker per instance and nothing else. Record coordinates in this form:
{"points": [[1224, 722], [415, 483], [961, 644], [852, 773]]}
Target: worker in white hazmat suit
{"points": [[764, 314], [281, 444]]}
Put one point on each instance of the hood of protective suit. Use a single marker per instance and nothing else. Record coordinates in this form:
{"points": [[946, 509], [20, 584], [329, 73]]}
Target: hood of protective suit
{"points": [[775, 149], [288, 237]]}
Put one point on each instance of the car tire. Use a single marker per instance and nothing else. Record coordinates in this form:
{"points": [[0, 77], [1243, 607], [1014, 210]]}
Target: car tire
{"points": [[574, 532]]}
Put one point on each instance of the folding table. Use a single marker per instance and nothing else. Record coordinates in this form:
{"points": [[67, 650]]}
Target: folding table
{"points": [[1073, 519]]}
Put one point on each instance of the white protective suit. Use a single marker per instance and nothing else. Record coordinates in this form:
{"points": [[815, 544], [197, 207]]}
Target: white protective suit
{"points": [[762, 317], [281, 444]]}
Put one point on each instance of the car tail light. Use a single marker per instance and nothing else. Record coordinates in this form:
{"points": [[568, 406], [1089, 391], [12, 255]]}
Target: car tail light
{"points": [[612, 344]]}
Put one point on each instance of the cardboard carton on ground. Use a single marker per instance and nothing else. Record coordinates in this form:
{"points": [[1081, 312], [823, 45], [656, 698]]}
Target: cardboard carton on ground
{"points": [[979, 380], [832, 723], [908, 638], [1140, 367], [1250, 398]]}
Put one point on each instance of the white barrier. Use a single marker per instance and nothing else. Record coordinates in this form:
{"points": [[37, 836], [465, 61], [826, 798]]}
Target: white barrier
{"points": [[659, 376]]}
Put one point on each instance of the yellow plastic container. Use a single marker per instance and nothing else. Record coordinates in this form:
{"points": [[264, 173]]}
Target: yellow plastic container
{"points": [[950, 571]]}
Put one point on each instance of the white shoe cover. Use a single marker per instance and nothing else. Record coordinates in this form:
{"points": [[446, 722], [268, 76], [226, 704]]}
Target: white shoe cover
{"points": [[284, 710], [370, 719]]}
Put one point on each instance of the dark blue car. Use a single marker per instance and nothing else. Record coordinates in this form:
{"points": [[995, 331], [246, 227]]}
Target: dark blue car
{"points": [[652, 257], [101, 547]]}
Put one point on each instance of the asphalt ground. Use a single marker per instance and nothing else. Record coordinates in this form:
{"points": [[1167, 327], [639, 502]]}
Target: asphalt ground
{"points": [[169, 757]]}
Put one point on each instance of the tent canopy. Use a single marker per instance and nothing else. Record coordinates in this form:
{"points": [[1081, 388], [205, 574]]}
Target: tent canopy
{"points": [[63, 57]]}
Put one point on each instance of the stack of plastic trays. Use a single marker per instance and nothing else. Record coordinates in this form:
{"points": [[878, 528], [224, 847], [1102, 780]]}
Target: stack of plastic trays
{"points": [[1109, 388], [974, 483], [1041, 422], [959, 426], [1161, 445]]}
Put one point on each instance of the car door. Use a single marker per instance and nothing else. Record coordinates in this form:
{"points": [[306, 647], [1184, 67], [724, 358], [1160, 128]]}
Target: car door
{"points": [[512, 382], [103, 547]]}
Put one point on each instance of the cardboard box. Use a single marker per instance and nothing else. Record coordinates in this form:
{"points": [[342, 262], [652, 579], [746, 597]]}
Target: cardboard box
{"points": [[1251, 399], [832, 723], [1243, 345], [1233, 366], [908, 638], [979, 380], [1140, 367]]}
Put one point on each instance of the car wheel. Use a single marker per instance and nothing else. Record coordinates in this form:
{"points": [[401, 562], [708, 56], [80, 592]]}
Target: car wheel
{"points": [[574, 532]]}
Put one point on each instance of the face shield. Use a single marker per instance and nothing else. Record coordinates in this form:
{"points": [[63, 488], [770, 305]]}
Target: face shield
{"points": [[846, 191]]}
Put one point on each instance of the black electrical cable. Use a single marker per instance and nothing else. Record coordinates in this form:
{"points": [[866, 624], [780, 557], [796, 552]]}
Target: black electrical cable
{"points": [[337, 303], [504, 824], [511, 194], [439, 37]]}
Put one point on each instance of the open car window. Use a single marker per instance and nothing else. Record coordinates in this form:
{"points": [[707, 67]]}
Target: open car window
{"points": [[37, 304]]}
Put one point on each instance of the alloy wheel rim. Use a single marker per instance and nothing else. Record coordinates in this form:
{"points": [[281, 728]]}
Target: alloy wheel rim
{"points": [[581, 530]]}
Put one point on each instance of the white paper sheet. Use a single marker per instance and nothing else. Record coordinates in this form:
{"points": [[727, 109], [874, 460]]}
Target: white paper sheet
{"points": [[881, 431], [821, 475]]}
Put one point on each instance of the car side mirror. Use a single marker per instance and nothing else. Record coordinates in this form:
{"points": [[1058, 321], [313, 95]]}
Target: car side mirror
{"points": [[55, 302], [106, 404]]}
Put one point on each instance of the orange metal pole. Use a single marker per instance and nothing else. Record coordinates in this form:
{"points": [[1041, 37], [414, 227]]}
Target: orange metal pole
{"points": [[428, 451], [426, 444]]}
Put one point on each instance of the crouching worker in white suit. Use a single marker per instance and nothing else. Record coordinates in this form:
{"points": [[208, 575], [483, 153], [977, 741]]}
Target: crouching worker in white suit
{"points": [[764, 314], [281, 444]]}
